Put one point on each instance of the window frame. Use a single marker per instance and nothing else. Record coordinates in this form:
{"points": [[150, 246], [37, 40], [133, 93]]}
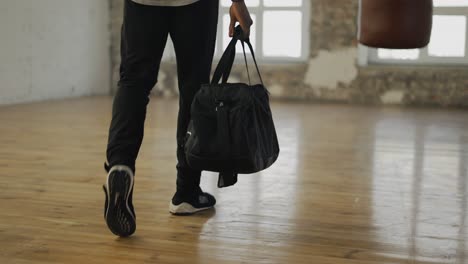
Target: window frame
{"points": [[305, 9]]}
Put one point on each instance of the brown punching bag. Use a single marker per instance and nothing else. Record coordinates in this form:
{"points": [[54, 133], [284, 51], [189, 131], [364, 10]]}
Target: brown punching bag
{"points": [[395, 24]]}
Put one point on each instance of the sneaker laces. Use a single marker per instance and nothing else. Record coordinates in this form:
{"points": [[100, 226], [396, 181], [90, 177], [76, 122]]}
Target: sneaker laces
{"points": [[202, 199]]}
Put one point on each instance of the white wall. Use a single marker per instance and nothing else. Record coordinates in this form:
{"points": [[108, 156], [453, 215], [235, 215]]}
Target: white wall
{"points": [[52, 49]]}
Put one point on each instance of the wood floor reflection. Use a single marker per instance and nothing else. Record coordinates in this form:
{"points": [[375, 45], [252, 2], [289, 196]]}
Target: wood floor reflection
{"points": [[352, 185]]}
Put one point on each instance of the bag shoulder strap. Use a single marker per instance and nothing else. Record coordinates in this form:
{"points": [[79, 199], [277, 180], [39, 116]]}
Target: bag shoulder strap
{"points": [[253, 57], [223, 70]]}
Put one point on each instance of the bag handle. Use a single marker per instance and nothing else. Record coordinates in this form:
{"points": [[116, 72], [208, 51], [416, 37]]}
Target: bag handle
{"points": [[254, 59], [223, 70]]}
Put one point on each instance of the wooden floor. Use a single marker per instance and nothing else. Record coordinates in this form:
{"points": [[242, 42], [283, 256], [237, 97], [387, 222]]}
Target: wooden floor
{"points": [[352, 185]]}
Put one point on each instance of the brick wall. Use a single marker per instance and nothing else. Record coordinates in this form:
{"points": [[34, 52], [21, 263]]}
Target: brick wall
{"points": [[332, 73]]}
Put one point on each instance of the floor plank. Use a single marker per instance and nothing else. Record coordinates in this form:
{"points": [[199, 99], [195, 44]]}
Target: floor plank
{"points": [[352, 185]]}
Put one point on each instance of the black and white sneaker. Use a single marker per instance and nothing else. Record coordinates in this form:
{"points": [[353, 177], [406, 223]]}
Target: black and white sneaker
{"points": [[118, 208], [188, 205]]}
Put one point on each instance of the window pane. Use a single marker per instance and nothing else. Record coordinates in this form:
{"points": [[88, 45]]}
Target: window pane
{"points": [[282, 33], [450, 2], [248, 3], [448, 36], [282, 2], [227, 39], [393, 54]]}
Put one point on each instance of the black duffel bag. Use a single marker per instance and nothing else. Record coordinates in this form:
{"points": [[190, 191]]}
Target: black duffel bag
{"points": [[232, 129]]}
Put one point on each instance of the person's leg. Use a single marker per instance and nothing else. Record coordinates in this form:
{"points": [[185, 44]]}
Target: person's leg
{"points": [[193, 31], [144, 35]]}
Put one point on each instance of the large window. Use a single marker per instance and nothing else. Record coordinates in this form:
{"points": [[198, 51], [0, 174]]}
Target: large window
{"points": [[280, 32], [448, 43]]}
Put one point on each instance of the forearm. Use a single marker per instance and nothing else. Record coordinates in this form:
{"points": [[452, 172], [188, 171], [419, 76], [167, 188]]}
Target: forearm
{"points": [[240, 13]]}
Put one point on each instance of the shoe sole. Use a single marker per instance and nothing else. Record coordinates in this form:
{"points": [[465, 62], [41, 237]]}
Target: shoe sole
{"points": [[185, 209], [119, 217]]}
